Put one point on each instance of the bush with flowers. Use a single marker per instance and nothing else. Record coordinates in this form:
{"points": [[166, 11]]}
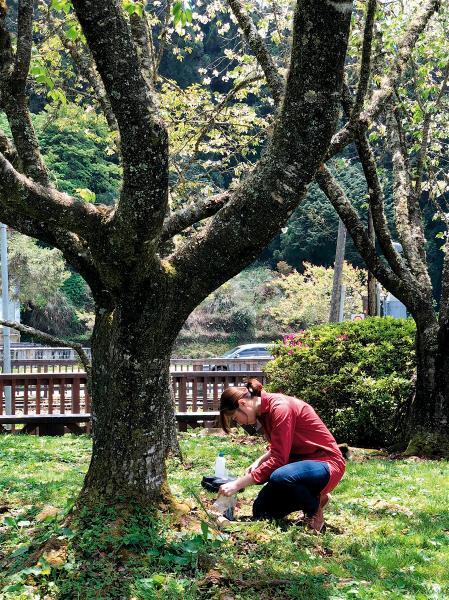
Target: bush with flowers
{"points": [[357, 375]]}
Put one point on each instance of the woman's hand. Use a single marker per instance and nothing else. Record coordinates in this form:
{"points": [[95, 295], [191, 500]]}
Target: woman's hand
{"points": [[228, 489], [232, 487]]}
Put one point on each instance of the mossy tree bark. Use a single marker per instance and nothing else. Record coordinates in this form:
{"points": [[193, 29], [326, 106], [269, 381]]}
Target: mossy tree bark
{"points": [[142, 299]]}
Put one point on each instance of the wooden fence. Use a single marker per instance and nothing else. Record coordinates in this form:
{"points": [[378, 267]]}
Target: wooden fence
{"points": [[36, 396]]}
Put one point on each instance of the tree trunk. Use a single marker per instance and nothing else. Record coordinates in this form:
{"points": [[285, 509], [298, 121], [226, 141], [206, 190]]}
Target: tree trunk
{"points": [[372, 282], [428, 424], [134, 425], [426, 356]]}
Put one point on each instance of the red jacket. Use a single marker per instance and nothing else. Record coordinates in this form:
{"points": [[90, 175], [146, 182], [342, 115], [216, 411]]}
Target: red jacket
{"points": [[296, 432]]}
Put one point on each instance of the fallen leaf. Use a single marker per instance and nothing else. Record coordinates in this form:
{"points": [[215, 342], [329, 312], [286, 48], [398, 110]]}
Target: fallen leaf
{"points": [[47, 511], [56, 558], [181, 508]]}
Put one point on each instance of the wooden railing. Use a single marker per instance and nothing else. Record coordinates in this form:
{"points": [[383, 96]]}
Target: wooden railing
{"points": [[57, 359], [65, 365], [40, 395], [46, 366], [45, 393], [218, 364], [44, 353]]}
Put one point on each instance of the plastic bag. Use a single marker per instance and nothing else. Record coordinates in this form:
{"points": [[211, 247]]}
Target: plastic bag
{"points": [[225, 505]]}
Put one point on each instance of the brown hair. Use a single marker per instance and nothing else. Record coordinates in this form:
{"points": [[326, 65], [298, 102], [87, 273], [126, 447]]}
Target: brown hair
{"points": [[229, 401]]}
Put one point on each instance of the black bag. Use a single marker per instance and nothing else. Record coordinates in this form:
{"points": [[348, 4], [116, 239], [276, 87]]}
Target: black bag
{"points": [[212, 483]]}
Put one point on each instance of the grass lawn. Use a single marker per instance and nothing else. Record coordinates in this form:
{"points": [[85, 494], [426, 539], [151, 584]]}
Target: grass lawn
{"points": [[387, 536]]}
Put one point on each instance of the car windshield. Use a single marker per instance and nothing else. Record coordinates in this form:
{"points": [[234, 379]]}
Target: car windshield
{"points": [[230, 352]]}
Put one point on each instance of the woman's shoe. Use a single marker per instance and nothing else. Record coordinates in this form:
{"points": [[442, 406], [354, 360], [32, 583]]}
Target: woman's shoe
{"points": [[316, 523]]}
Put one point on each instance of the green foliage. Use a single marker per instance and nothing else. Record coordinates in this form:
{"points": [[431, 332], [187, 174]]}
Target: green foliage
{"points": [[238, 308], [304, 298], [357, 375], [77, 291], [78, 149], [36, 273]]}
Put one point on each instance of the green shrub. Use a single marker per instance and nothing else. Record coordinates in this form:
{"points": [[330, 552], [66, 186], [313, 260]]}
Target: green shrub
{"points": [[357, 375]]}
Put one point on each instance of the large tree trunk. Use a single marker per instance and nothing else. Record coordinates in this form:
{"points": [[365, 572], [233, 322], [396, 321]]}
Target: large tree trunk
{"points": [[133, 417]]}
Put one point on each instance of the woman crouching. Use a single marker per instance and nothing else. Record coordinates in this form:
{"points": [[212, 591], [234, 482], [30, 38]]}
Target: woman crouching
{"points": [[303, 462]]}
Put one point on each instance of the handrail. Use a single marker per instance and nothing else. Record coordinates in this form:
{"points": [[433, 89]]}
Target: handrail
{"points": [[47, 393]]}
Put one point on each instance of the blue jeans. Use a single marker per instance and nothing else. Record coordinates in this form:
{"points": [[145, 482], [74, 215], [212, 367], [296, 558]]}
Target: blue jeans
{"points": [[293, 487]]}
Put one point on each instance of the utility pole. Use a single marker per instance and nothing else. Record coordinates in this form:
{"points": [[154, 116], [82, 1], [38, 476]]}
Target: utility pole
{"points": [[336, 300], [372, 284], [5, 314]]}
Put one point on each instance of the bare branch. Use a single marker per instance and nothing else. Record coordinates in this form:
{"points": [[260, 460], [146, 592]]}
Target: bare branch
{"points": [[180, 220], [408, 215], [51, 339], [257, 45], [376, 202], [365, 66], [24, 44]]}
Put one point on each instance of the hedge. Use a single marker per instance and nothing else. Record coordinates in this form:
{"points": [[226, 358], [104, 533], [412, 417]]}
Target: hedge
{"points": [[357, 375]]}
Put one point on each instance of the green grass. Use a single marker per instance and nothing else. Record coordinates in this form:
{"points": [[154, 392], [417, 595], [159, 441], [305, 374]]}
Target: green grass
{"points": [[387, 537]]}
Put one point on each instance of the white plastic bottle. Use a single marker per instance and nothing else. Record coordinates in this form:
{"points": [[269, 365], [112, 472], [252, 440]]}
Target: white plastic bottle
{"points": [[220, 466]]}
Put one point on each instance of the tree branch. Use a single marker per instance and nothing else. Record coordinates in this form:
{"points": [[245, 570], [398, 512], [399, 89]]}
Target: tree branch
{"points": [[13, 96], [211, 122], [180, 220], [376, 202], [375, 190], [359, 234], [427, 124], [365, 65], [163, 36], [444, 300], [257, 45], [85, 66], [381, 97], [24, 44], [9, 151], [408, 217], [143, 136], [38, 202], [142, 38], [51, 339]]}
